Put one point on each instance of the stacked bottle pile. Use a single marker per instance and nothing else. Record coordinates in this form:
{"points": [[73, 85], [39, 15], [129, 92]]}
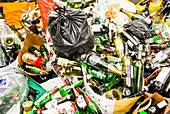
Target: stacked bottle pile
{"points": [[35, 60]]}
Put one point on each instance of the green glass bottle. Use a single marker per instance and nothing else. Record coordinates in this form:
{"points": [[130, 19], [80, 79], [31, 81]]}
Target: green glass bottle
{"points": [[35, 51], [126, 67], [138, 72], [102, 49], [91, 105], [110, 84], [94, 60], [66, 89], [34, 70], [47, 96], [44, 51]]}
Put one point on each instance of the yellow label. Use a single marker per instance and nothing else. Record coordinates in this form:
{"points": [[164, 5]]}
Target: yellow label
{"points": [[118, 42]]}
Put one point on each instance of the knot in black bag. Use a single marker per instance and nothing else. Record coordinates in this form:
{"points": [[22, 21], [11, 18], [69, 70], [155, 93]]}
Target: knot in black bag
{"points": [[69, 31]]}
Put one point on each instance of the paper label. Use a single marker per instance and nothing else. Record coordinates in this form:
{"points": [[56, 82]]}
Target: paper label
{"points": [[81, 102]]}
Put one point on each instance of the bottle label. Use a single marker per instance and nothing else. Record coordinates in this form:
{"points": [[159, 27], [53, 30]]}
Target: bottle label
{"points": [[53, 90], [51, 104], [119, 44], [94, 59], [128, 77], [62, 62], [15, 96], [81, 102], [109, 50], [42, 71], [46, 57], [38, 54], [29, 58], [162, 104], [88, 99]]}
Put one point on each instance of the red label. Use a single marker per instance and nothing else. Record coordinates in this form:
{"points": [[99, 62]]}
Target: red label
{"points": [[67, 81], [53, 90], [109, 50], [42, 71], [88, 99], [15, 96], [77, 88], [39, 111], [38, 54]]}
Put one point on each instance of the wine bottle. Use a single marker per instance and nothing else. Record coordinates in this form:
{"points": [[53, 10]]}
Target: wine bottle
{"points": [[117, 39], [127, 67], [138, 71], [94, 60], [134, 16]]}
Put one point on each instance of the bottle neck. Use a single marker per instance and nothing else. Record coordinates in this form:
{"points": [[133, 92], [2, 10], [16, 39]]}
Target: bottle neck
{"points": [[139, 55], [87, 98], [126, 49], [54, 90]]}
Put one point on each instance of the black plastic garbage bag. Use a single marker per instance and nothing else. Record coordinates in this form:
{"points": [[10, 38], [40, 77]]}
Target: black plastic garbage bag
{"points": [[139, 29], [70, 32]]}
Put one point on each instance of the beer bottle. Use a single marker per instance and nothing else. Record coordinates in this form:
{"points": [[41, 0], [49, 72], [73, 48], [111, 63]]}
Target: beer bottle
{"points": [[138, 71], [34, 70], [44, 51], [47, 96], [35, 51], [91, 105], [102, 49], [126, 67], [94, 60], [32, 59]]}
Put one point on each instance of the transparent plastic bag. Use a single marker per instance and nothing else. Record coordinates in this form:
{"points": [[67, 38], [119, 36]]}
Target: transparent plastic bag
{"points": [[13, 89]]}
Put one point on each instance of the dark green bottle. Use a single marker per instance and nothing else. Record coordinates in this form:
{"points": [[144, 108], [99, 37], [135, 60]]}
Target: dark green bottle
{"points": [[47, 96], [35, 51], [44, 51], [109, 85], [34, 70]]}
